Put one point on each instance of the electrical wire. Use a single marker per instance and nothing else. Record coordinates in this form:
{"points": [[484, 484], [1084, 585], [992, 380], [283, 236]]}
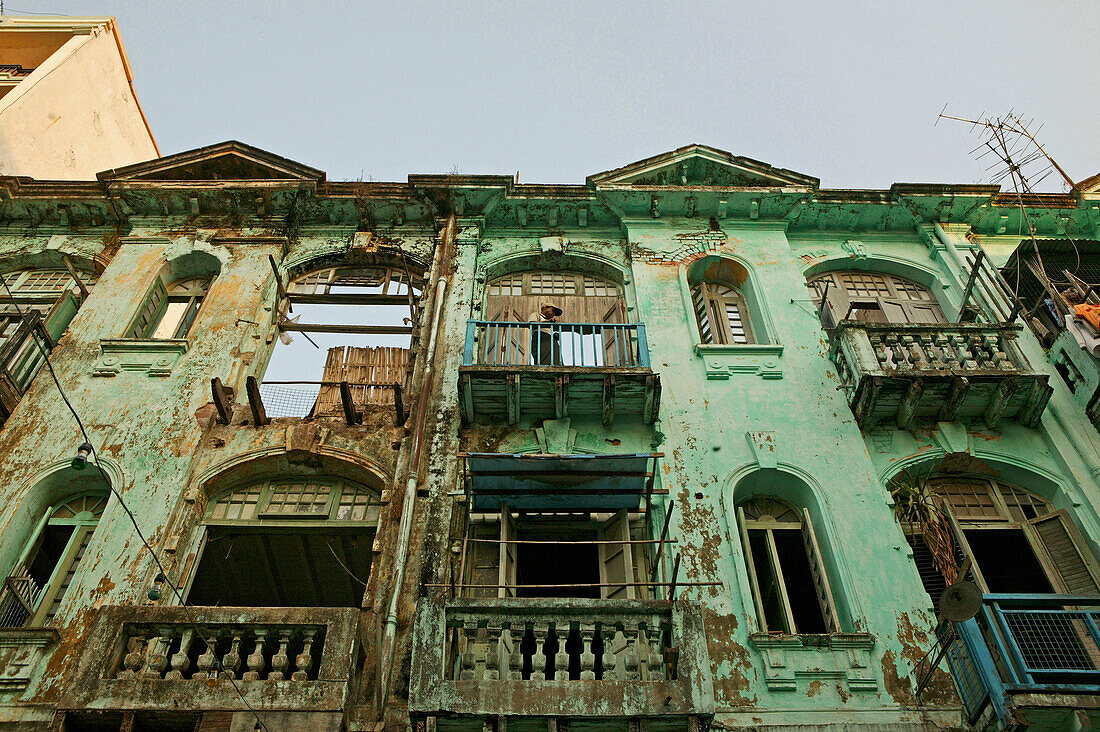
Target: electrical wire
{"points": [[95, 461]]}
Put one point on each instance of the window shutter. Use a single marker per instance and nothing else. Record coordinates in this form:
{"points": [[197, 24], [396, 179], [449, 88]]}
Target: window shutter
{"points": [[835, 307], [750, 565], [1073, 564], [507, 553], [146, 321], [484, 562], [616, 562], [699, 301], [817, 570], [964, 545]]}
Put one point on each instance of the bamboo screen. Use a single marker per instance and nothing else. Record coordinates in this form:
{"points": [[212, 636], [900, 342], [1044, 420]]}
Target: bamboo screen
{"points": [[364, 369]]}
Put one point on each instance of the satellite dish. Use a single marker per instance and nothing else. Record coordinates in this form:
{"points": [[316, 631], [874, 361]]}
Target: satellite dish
{"points": [[960, 601]]}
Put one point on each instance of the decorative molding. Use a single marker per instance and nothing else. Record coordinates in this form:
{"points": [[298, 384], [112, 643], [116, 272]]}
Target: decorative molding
{"points": [[21, 650], [556, 437], [855, 248], [154, 357], [841, 656], [721, 360]]}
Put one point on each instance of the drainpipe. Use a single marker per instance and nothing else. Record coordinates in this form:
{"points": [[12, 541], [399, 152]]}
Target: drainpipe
{"points": [[389, 631]]}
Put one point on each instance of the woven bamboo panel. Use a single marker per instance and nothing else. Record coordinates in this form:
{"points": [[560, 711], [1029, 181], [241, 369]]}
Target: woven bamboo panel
{"points": [[361, 367]]}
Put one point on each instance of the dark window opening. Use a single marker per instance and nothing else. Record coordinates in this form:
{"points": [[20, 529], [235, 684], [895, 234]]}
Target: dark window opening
{"points": [[769, 587], [557, 564], [54, 541], [799, 581], [298, 568], [1007, 561]]}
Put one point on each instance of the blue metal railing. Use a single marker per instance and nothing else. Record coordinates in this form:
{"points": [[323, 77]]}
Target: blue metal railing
{"points": [[508, 343], [1034, 642]]}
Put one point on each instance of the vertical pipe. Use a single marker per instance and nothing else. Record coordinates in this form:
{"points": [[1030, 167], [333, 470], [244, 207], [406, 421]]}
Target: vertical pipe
{"points": [[389, 631]]}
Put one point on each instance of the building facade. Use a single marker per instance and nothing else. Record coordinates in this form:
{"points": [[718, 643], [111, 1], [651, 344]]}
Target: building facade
{"points": [[695, 444]]}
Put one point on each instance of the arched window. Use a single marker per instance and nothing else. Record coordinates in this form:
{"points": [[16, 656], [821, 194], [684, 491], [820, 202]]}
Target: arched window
{"points": [[1016, 541], [874, 297], [33, 591], [170, 309], [720, 309], [789, 583], [287, 541]]}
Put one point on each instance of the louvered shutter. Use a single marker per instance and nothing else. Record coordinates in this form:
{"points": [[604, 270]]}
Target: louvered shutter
{"points": [[964, 546], [1074, 566], [750, 565], [149, 315], [616, 563], [507, 554], [484, 562], [699, 302], [822, 588]]}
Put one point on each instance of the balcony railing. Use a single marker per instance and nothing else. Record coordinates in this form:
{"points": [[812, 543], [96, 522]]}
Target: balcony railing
{"points": [[547, 370], [1025, 644], [551, 657], [288, 657], [936, 372]]}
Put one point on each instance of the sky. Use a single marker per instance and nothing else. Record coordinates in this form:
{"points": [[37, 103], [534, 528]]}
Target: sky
{"points": [[848, 92]]}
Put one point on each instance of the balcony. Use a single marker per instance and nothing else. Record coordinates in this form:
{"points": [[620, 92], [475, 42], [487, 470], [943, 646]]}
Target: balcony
{"points": [[936, 373], [155, 658], [1029, 660], [20, 359], [600, 369], [578, 659]]}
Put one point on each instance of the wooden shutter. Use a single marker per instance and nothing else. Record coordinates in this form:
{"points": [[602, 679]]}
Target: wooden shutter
{"points": [[150, 313], [483, 567], [750, 565], [964, 546], [699, 302], [616, 562], [836, 305], [1071, 562], [821, 578], [642, 565], [507, 553]]}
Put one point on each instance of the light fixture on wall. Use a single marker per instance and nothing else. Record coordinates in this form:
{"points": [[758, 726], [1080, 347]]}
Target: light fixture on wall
{"points": [[81, 460]]}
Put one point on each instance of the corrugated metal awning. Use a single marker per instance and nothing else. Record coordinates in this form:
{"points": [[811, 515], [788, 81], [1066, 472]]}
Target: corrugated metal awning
{"points": [[529, 482]]}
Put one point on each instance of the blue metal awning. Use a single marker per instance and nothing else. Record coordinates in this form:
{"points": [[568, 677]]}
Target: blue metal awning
{"points": [[558, 482]]}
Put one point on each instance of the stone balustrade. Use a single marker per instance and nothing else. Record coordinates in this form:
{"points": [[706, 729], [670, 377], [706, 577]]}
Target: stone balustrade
{"points": [[936, 372], [167, 657], [560, 657], [247, 652], [555, 644]]}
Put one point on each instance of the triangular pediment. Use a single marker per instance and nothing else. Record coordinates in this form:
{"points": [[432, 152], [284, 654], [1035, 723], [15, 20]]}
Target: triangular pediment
{"points": [[699, 165], [226, 161]]}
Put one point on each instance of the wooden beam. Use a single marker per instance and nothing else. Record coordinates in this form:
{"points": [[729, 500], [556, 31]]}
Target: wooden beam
{"points": [[398, 405], [466, 395], [256, 402], [609, 400], [223, 400], [76, 277], [907, 407], [347, 298], [511, 398], [652, 398], [999, 402], [950, 409], [352, 329], [561, 383], [863, 408], [1032, 413], [351, 416]]}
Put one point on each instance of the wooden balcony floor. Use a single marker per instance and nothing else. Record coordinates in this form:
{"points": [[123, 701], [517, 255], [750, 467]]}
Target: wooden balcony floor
{"points": [[493, 393]]}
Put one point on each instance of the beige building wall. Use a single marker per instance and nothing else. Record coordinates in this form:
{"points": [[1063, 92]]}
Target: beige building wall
{"points": [[76, 113]]}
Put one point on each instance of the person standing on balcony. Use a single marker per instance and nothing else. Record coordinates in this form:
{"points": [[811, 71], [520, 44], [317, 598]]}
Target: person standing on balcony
{"points": [[545, 343]]}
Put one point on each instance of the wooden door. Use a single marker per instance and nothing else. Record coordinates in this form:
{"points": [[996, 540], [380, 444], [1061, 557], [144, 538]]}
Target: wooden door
{"points": [[616, 562]]}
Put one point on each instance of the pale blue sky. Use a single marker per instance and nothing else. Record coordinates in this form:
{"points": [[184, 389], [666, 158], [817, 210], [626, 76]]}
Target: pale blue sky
{"points": [[845, 91]]}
